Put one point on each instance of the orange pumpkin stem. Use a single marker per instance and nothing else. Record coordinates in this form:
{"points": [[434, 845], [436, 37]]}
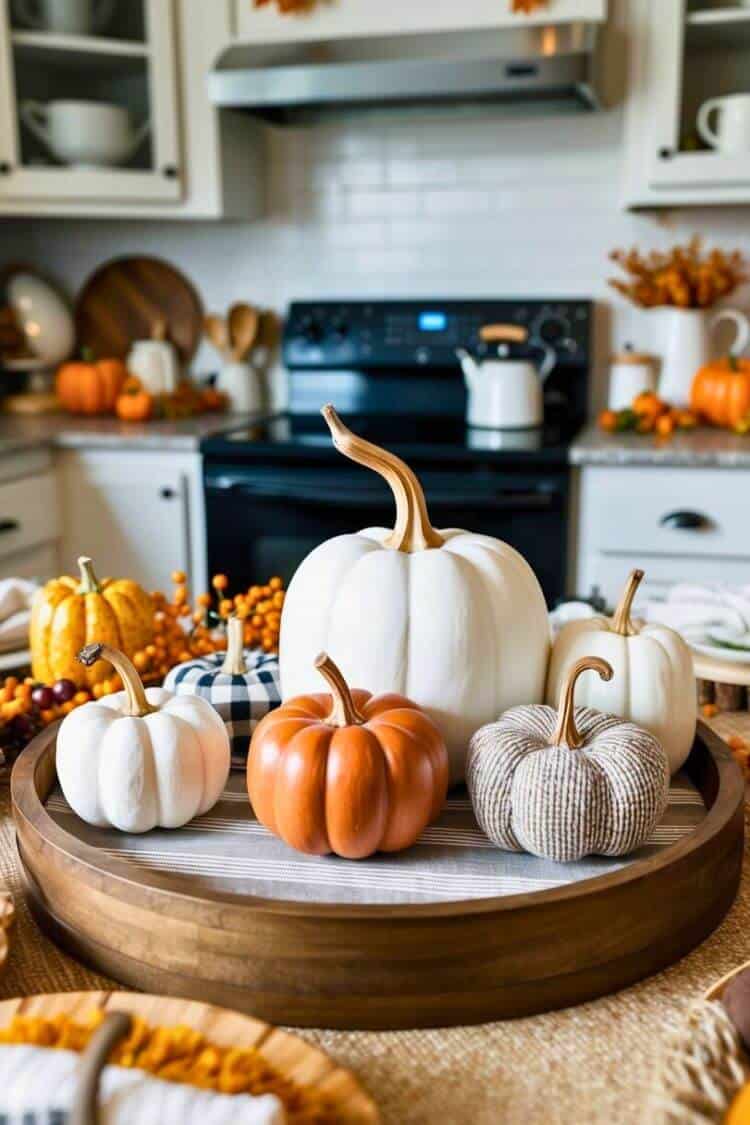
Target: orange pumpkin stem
{"points": [[138, 705], [413, 531], [566, 732], [234, 662], [621, 622], [89, 582], [343, 712]]}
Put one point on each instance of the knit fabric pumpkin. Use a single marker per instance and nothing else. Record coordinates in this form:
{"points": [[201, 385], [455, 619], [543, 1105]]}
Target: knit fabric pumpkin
{"points": [[569, 783]]}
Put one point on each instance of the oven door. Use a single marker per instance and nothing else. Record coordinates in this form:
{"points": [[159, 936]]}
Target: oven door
{"points": [[265, 519]]}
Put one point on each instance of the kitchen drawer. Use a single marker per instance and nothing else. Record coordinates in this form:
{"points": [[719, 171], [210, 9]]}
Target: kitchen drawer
{"points": [[608, 572], [28, 513], [685, 512], [41, 562]]}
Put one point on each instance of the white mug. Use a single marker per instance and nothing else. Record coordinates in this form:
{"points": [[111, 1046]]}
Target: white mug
{"points": [[72, 17], [84, 133], [732, 135]]}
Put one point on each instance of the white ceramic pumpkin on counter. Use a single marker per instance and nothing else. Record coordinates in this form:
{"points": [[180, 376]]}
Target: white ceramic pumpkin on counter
{"points": [[455, 621], [141, 759], [654, 680]]}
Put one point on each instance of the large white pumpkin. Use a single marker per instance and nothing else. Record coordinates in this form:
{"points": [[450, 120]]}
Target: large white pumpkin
{"points": [[140, 759], [455, 621], [654, 680]]}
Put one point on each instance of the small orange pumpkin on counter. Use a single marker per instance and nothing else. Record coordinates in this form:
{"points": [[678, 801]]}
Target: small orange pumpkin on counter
{"points": [[134, 403], [85, 387], [349, 772], [721, 391]]}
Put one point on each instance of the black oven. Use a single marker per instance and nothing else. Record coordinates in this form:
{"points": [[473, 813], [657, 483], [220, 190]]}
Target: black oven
{"points": [[265, 519]]}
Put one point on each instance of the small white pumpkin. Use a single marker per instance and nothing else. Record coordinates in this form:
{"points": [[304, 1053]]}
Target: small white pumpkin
{"points": [[654, 681], [455, 621], [140, 759], [568, 783]]}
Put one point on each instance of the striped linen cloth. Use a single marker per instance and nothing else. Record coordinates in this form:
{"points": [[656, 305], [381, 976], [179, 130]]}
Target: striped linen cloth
{"points": [[228, 850], [242, 701]]}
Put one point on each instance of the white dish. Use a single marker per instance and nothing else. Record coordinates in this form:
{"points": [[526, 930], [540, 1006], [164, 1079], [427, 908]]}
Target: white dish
{"points": [[45, 319], [719, 652], [725, 637]]}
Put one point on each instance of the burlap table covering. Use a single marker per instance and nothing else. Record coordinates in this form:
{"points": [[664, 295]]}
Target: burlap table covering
{"points": [[594, 1063]]}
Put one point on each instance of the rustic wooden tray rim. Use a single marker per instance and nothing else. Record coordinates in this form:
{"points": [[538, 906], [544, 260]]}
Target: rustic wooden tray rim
{"points": [[28, 805]]}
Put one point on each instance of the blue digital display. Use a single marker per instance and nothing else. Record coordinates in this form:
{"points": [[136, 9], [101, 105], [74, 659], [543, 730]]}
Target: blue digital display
{"points": [[433, 322]]}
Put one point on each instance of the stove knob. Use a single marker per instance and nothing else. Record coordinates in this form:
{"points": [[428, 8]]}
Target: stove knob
{"points": [[311, 330], [339, 329], [553, 329]]}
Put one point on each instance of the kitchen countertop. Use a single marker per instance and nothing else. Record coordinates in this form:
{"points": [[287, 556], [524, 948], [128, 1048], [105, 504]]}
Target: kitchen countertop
{"points": [[702, 448], [19, 432]]}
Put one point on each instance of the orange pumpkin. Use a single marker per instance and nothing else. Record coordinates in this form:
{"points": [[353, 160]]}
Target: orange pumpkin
{"points": [[134, 404], [721, 391], [348, 773], [90, 388]]}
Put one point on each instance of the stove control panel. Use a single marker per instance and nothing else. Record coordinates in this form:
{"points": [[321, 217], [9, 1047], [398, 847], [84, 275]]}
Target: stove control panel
{"points": [[418, 334]]}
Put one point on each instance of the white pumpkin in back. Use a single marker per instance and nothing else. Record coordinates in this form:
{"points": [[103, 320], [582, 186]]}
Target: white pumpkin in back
{"points": [[654, 680], [141, 759], [455, 621]]}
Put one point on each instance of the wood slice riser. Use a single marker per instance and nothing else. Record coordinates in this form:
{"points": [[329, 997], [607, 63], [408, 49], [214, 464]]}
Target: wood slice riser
{"points": [[384, 966]]}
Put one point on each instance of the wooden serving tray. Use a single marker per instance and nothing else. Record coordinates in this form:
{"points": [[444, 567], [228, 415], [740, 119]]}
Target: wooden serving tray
{"points": [[377, 965], [290, 1056]]}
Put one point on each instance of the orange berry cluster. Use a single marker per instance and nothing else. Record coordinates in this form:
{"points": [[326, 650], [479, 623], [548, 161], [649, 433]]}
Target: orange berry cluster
{"points": [[648, 415], [182, 632]]}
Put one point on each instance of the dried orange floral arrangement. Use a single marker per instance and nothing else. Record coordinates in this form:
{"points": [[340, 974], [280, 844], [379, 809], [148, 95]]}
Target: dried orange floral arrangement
{"points": [[180, 1054], [287, 6], [685, 276]]}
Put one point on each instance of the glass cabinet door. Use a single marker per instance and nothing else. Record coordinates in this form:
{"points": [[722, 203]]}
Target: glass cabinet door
{"points": [[88, 105], [699, 50]]}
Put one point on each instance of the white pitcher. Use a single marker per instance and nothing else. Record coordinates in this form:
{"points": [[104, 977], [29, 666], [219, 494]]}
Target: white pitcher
{"points": [[686, 346]]}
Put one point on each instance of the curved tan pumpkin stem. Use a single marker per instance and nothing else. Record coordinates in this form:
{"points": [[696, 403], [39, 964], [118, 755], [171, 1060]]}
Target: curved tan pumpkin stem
{"points": [[234, 661], [344, 712], [89, 582], [621, 622], [114, 1027], [566, 732], [138, 705], [413, 531]]}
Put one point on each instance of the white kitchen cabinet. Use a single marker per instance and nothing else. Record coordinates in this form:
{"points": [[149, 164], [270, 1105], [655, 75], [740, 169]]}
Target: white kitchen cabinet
{"points": [[138, 514], [197, 162], [681, 56], [677, 524], [331, 19], [29, 515]]}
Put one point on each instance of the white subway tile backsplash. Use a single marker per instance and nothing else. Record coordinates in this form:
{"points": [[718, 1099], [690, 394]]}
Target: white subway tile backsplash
{"points": [[461, 206]]}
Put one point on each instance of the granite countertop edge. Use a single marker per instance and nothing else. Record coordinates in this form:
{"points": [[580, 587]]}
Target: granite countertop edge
{"points": [[61, 431], [701, 448]]}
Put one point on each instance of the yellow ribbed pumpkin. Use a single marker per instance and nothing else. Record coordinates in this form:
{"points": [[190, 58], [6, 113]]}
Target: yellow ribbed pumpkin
{"points": [[69, 613]]}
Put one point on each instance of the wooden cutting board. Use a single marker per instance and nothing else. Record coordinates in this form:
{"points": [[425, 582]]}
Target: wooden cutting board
{"points": [[126, 297], [289, 1055]]}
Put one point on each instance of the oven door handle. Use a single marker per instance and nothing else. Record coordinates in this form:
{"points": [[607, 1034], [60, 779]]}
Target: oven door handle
{"points": [[521, 500]]}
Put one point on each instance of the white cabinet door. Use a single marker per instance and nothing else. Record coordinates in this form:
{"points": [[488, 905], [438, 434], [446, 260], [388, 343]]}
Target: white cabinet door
{"points": [[138, 74], [329, 20], [130, 512]]}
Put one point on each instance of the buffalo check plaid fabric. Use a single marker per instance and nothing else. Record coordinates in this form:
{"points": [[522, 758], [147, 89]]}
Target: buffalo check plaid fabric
{"points": [[242, 701]]}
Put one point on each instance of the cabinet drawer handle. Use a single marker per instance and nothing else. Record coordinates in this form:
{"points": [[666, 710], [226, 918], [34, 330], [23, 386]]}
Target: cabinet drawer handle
{"points": [[167, 493], [5, 167], [9, 525], [685, 521]]}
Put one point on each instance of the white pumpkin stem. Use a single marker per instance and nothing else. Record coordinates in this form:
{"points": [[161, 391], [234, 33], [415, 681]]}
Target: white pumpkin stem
{"points": [[89, 582], [413, 531], [344, 712], [621, 622], [566, 733], [138, 705], [234, 661]]}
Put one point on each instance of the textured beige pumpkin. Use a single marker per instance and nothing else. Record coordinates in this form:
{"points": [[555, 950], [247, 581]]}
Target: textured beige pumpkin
{"points": [[569, 783]]}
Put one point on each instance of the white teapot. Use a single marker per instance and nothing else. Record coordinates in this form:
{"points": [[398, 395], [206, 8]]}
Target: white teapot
{"points": [[505, 393]]}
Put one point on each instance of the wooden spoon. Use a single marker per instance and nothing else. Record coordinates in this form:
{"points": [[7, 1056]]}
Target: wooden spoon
{"points": [[217, 331], [244, 322]]}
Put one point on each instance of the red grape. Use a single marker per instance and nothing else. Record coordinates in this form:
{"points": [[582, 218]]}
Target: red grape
{"points": [[63, 690], [43, 697]]}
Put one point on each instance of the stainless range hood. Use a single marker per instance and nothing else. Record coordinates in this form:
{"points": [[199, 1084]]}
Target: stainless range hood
{"points": [[292, 82]]}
